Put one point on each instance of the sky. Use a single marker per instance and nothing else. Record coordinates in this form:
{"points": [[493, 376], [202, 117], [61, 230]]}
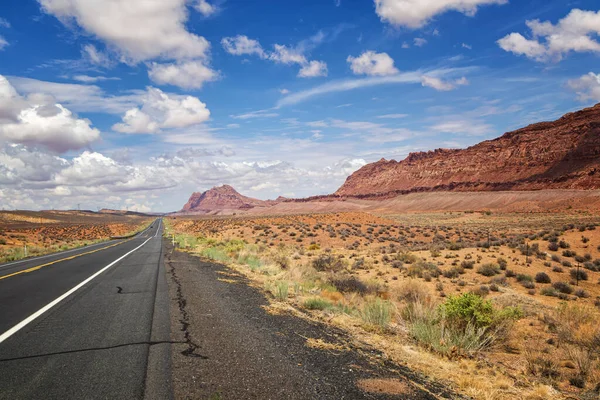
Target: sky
{"points": [[135, 104]]}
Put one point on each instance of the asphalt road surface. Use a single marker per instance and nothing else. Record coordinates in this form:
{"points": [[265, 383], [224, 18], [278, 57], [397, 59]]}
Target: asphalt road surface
{"points": [[90, 323]]}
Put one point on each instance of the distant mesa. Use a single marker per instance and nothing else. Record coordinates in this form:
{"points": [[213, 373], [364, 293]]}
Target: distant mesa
{"points": [[221, 198], [564, 154]]}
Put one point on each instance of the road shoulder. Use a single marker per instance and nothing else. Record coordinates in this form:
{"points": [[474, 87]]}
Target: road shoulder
{"points": [[227, 346]]}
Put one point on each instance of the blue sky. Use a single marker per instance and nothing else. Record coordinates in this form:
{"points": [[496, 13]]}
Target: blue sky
{"points": [[136, 104]]}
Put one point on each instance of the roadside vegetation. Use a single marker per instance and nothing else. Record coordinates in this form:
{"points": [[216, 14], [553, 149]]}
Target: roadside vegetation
{"points": [[32, 235], [496, 310]]}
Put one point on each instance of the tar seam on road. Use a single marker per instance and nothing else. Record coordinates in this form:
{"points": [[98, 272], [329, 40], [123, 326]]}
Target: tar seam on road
{"points": [[32, 269], [42, 310]]}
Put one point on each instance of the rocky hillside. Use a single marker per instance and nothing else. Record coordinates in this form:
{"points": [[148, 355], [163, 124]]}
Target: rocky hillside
{"points": [[564, 154], [221, 198]]}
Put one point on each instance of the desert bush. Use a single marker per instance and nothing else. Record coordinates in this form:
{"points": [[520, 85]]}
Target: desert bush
{"points": [[423, 269], [328, 262], [556, 268], [569, 253], [467, 264], [553, 246], [377, 312], [453, 272], [563, 287], [413, 291], [406, 258], [524, 278], [502, 263], [488, 270], [563, 245], [549, 291], [317, 303], [542, 277], [580, 274], [555, 258], [349, 284], [510, 274], [282, 261], [566, 263], [581, 293]]}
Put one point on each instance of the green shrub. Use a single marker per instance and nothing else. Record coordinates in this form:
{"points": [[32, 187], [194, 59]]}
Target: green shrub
{"points": [[349, 284], [317, 303], [281, 290], [467, 264], [563, 287], [524, 278], [580, 274], [377, 312]]}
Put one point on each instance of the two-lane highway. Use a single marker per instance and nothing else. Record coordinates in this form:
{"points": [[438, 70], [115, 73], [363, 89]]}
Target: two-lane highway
{"points": [[89, 323]]}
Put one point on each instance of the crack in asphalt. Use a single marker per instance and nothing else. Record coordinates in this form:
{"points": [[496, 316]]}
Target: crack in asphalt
{"points": [[184, 320]]}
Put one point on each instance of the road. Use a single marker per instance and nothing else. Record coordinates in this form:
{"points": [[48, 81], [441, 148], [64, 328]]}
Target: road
{"points": [[87, 323]]}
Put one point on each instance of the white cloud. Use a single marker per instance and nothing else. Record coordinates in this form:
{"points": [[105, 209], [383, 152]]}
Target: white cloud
{"points": [[281, 54], [205, 8], [587, 87], [417, 13], [4, 23], [242, 45], [441, 85], [405, 45], [93, 56], [371, 63], [393, 116], [284, 91], [92, 79], [287, 55], [163, 111], [233, 126], [313, 69], [351, 84], [39, 120], [467, 46], [3, 43], [118, 23], [419, 42], [187, 75], [573, 33], [256, 114]]}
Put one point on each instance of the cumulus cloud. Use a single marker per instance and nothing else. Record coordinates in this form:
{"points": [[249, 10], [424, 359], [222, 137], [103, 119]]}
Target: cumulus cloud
{"points": [[118, 24], [205, 8], [419, 42], [281, 54], [441, 85], [551, 43], [371, 63], [313, 69], [587, 87], [187, 75], [38, 120], [417, 13], [242, 45], [163, 111]]}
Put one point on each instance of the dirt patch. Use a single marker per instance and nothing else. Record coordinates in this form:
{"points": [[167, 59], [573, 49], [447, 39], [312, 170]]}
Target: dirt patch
{"points": [[392, 387]]}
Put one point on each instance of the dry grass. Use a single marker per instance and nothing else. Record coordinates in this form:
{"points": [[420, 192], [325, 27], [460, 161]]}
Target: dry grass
{"points": [[360, 272]]}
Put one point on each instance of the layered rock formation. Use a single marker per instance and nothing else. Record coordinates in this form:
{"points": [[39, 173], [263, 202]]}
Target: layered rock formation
{"points": [[564, 154]]}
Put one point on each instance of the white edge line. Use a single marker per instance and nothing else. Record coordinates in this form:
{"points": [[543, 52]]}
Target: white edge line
{"points": [[42, 310], [158, 229]]}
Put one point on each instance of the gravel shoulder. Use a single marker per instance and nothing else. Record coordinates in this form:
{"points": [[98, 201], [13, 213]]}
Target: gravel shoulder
{"points": [[227, 346]]}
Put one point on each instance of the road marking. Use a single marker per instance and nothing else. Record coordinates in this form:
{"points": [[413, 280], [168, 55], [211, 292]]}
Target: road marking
{"points": [[158, 229], [47, 307], [25, 271]]}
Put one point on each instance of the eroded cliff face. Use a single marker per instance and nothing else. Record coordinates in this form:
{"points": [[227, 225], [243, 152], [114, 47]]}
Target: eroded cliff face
{"points": [[564, 154], [221, 198]]}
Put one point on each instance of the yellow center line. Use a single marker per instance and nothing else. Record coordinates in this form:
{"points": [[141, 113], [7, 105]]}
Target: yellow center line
{"points": [[25, 271]]}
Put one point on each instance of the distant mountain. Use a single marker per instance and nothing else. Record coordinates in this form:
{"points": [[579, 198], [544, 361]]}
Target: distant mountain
{"points": [[222, 198], [564, 154]]}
